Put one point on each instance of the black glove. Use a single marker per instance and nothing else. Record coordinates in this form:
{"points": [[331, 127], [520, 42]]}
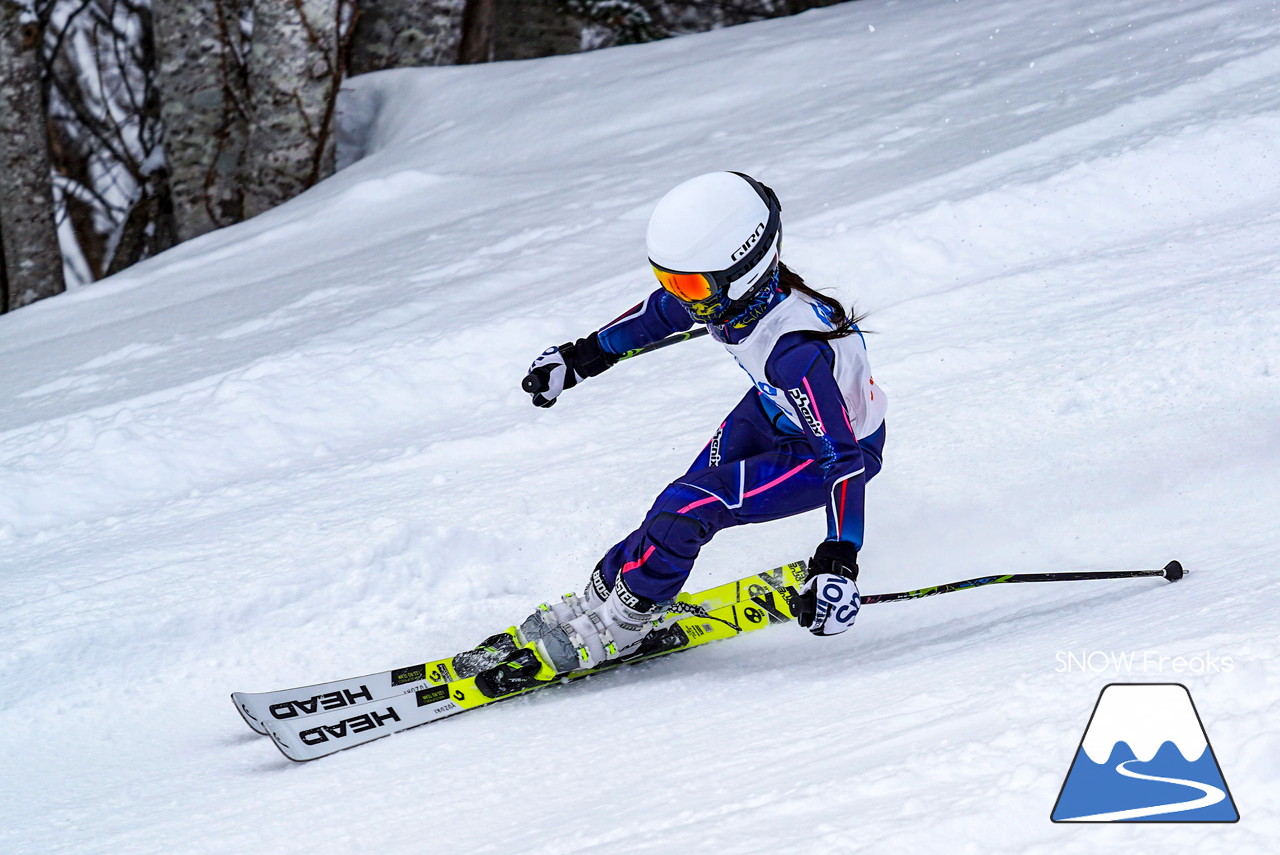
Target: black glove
{"points": [[829, 601], [560, 368]]}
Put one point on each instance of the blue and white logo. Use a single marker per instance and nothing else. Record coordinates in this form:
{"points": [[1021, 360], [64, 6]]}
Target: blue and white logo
{"points": [[1145, 757]]}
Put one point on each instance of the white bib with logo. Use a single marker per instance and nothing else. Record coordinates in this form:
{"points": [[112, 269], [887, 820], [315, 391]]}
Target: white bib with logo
{"points": [[865, 402]]}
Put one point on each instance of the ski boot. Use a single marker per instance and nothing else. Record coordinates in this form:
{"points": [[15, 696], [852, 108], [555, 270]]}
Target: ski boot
{"points": [[521, 664]]}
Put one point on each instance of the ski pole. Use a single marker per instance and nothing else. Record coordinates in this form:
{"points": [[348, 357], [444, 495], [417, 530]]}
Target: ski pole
{"points": [[538, 380], [696, 332], [1172, 571]]}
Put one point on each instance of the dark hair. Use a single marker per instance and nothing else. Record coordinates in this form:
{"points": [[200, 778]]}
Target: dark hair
{"points": [[846, 323]]}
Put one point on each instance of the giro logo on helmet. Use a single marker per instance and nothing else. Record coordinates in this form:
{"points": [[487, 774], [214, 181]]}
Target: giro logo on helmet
{"points": [[750, 242]]}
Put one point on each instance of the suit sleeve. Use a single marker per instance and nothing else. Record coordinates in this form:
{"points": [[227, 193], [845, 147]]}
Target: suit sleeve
{"points": [[802, 367], [657, 317]]}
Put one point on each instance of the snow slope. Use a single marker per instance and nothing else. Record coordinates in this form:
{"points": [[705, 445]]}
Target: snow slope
{"points": [[296, 450]]}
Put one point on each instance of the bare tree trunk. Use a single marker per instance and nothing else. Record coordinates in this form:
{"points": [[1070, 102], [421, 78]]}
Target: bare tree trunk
{"points": [[151, 225], [496, 30], [528, 29], [204, 106], [478, 20], [293, 77], [398, 34], [133, 243], [32, 258], [795, 7], [72, 161], [4, 275]]}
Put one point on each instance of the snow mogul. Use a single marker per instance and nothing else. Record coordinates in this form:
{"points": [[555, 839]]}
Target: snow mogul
{"points": [[808, 434]]}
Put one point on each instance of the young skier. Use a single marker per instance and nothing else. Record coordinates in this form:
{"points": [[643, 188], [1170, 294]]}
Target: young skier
{"points": [[809, 434]]}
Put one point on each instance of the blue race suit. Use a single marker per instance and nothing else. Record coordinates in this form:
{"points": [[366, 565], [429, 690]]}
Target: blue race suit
{"points": [[809, 434]]}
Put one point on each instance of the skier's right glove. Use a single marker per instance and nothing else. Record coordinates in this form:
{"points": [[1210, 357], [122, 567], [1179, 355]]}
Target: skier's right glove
{"points": [[829, 601], [563, 367]]}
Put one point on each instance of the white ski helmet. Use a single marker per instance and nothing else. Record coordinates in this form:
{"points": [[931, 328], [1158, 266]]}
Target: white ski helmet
{"points": [[713, 242]]}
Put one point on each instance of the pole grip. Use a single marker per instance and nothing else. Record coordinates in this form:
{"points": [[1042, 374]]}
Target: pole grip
{"points": [[537, 380]]}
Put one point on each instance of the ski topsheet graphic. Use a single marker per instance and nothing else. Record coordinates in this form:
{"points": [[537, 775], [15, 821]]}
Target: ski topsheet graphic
{"points": [[1145, 757]]}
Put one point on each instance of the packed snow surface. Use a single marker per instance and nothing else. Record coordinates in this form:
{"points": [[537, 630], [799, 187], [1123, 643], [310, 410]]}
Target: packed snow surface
{"points": [[296, 450]]}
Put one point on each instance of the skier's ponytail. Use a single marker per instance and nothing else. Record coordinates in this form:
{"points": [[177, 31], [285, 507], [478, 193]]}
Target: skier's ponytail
{"points": [[845, 323]]}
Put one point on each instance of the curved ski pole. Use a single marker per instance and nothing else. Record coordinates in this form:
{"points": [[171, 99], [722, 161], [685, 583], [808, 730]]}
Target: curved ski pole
{"points": [[697, 332], [1172, 571]]}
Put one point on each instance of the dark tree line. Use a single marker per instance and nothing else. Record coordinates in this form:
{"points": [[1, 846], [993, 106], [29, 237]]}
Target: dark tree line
{"points": [[32, 266], [127, 126]]}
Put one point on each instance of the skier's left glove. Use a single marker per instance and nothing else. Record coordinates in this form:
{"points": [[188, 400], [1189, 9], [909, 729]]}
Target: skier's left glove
{"points": [[829, 601], [563, 367]]}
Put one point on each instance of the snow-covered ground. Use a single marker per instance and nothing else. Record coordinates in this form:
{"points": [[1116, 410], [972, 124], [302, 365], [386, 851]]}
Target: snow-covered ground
{"points": [[296, 450]]}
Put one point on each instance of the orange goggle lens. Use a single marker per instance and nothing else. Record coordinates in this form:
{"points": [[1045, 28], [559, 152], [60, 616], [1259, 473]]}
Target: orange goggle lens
{"points": [[690, 287]]}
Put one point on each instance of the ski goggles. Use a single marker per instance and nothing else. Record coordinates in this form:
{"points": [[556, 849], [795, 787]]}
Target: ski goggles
{"points": [[689, 287], [700, 287]]}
